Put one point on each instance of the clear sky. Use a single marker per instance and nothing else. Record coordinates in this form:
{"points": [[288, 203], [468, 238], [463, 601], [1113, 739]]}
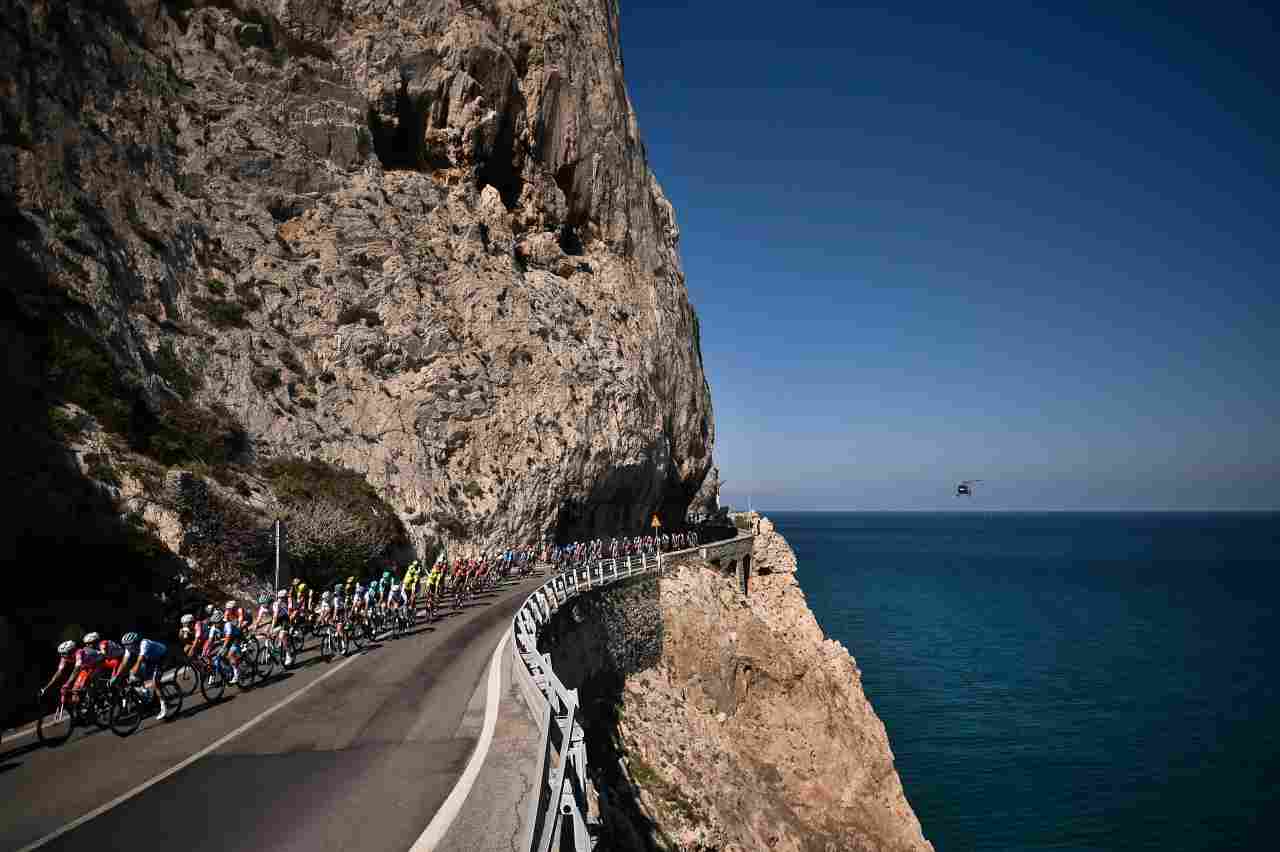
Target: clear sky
{"points": [[946, 241]]}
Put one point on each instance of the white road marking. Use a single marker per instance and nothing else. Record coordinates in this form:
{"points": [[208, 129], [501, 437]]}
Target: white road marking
{"points": [[435, 831], [178, 767]]}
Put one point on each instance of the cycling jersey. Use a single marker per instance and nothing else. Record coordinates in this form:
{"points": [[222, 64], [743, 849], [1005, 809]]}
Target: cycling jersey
{"points": [[89, 659], [231, 632]]}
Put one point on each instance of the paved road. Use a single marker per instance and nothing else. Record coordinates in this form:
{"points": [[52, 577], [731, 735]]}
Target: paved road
{"points": [[362, 760]]}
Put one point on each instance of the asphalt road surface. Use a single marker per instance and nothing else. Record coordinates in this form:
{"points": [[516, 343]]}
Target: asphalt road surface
{"points": [[360, 761]]}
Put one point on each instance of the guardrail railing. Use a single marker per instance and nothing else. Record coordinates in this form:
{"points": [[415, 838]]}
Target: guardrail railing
{"points": [[560, 811], [561, 803]]}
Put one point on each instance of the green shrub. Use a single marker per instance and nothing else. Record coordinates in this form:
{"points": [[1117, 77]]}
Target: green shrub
{"points": [[173, 371], [65, 424], [100, 468], [79, 370], [336, 522], [181, 433], [472, 489], [221, 313], [216, 287]]}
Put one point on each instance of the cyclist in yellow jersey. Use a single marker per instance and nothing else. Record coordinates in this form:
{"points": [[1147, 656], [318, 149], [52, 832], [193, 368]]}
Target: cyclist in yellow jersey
{"points": [[410, 585]]}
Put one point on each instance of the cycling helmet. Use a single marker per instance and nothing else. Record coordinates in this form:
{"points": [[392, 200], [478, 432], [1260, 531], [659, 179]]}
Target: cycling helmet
{"points": [[208, 609], [67, 647], [302, 587], [130, 638], [187, 618], [264, 599], [230, 605], [216, 618], [325, 596], [91, 638], [351, 579], [282, 594]]}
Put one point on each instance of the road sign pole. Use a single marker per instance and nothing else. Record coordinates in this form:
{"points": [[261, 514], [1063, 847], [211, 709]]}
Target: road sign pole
{"points": [[277, 555]]}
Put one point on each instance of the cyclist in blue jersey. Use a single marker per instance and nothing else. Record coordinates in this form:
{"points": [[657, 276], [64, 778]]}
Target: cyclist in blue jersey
{"points": [[147, 655]]}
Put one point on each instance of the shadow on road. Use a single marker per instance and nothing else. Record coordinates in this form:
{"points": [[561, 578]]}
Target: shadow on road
{"points": [[22, 750]]}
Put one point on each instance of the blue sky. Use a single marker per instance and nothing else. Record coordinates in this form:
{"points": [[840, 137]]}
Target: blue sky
{"points": [[942, 241]]}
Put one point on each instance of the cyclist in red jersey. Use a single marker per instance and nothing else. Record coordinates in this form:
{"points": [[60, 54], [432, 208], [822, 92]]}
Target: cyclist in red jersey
{"points": [[112, 654]]}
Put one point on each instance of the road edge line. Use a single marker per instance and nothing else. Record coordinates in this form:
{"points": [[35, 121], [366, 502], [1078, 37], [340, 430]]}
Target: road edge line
{"points": [[439, 826], [178, 767]]}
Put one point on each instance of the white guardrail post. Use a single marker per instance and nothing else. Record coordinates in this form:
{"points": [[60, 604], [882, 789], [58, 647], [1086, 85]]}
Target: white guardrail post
{"points": [[561, 798]]}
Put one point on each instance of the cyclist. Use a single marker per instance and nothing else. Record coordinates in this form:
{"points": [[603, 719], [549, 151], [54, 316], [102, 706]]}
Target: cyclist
{"points": [[68, 656], [340, 611], [149, 655], [410, 585], [262, 618], [280, 624], [112, 653], [233, 612], [324, 612], [224, 641]]}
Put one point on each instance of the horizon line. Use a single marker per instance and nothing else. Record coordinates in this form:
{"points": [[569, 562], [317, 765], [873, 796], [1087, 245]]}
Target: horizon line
{"points": [[975, 511]]}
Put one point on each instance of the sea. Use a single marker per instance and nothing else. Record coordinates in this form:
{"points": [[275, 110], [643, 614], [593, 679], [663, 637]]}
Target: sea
{"points": [[1066, 681]]}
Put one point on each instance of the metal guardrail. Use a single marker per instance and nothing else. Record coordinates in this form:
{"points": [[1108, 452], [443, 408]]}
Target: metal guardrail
{"points": [[561, 801]]}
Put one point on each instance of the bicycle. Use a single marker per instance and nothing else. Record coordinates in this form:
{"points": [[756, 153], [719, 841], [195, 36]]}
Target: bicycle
{"points": [[332, 642], [129, 701], [203, 670], [59, 717]]}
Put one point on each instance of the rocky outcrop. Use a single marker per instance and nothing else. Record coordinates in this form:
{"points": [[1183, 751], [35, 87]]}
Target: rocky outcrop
{"points": [[747, 730], [417, 239]]}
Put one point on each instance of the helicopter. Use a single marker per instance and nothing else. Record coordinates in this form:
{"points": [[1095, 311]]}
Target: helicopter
{"points": [[965, 488]]}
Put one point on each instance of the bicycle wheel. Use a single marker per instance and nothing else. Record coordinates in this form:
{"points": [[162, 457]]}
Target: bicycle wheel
{"points": [[172, 696], [126, 711], [266, 662], [355, 635], [56, 720], [97, 699], [212, 683], [248, 672], [297, 638], [186, 679]]}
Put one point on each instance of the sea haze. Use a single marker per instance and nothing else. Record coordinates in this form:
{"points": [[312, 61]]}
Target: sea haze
{"points": [[1064, 680]]}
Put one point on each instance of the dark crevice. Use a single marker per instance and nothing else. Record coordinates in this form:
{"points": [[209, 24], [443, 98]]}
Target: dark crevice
{"points": [[570, 242], [500, 168], [401, 142]]}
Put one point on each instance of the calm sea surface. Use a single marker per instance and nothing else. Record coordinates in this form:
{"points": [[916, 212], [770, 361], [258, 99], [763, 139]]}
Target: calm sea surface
{"points": [[1065, 681]]}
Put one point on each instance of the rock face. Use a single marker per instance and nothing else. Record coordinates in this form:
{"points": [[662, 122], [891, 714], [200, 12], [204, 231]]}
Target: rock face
{"points": [[416, 238], [749, 730]]}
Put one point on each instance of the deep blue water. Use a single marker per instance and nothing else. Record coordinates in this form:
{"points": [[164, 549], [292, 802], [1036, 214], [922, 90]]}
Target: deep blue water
{"points": [[1065, 681]]}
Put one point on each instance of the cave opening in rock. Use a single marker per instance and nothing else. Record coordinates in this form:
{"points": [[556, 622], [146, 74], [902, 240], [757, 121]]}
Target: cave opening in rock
{"points": [[400, 142], [570, 235], [500, 168], [570, 242]]}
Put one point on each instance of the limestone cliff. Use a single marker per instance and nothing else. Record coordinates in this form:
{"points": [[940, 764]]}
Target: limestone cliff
{"points": [[730, 722], [416, 238]]}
